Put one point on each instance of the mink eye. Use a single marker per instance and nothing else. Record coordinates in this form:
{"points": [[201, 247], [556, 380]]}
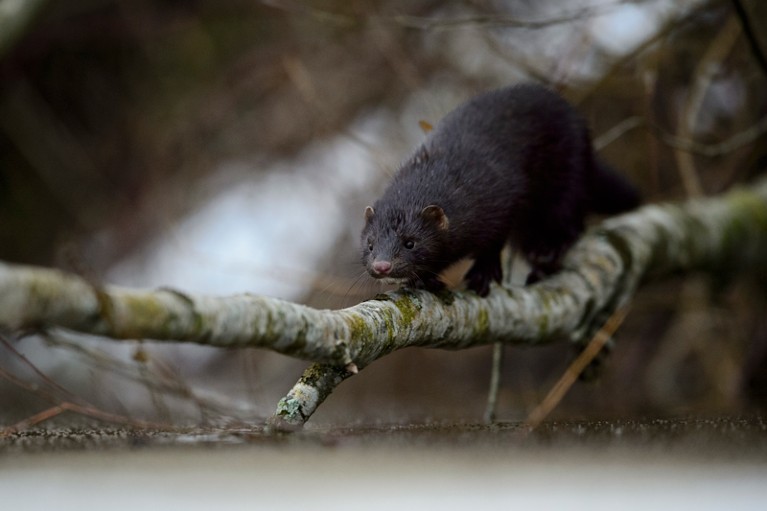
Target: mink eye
{"points": [[370, 246], [409, 244]]}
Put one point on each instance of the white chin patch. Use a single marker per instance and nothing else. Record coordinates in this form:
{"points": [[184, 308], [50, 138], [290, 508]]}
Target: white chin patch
{"points": [[393, 281]]}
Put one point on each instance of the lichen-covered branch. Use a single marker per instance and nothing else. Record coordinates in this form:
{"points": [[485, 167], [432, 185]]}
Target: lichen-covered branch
{"points": [[600, 273], [42, 298]]}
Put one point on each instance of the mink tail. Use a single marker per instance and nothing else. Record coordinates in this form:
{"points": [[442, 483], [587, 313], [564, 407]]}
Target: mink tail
{"points": [[611, 193]]}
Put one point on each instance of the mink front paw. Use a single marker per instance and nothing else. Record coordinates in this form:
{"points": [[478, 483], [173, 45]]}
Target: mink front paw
{"points": [[432, 284], [484, 271]]}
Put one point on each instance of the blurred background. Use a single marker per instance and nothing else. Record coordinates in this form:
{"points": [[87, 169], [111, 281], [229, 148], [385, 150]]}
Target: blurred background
{"points": [[230, 146]]}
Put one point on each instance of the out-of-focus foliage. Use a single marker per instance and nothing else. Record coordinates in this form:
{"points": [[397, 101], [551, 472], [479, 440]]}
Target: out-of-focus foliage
{"points": [[107, 108]]}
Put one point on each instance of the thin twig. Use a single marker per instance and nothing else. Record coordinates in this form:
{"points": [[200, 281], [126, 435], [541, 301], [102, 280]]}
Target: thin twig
{"points": [[166, 381], [617, 131], [712, 150], [35, 419], [437, 22], [495, 383], [571, 374], [48, 393], [733, 143], [87, 411], [748, 31], [63, 406], [46, 379], [494, 20], [704, 74]]}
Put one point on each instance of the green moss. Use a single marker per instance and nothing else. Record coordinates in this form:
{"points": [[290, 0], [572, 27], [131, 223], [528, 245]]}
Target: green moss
{"points": [[409, 307], [313, 374], [751, 204], [588, 314], [358, 329], [752, 208], [749, 219], [543, 323], [198, 324], [106, 307], [198, 329], [483, 322], [270, 334], [299, 341], [149, 315], [696, 238], [323, 378], [546, 299], [289, 406], [389, 324]]}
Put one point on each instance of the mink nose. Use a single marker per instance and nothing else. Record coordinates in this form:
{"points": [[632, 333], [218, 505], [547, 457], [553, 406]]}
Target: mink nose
{"points": [[381, 268]]}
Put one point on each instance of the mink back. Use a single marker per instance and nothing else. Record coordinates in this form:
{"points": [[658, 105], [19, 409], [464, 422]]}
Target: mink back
{"points": [[515, 164]]}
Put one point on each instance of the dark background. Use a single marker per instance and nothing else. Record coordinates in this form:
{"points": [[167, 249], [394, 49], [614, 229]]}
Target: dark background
{"points": [[120, 121]]}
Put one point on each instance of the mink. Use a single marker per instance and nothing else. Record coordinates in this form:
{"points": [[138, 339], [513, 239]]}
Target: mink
{"points": [[511, 165]]}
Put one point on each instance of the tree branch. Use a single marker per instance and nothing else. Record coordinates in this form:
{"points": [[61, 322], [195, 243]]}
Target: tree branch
{"points": [[600, 273]]}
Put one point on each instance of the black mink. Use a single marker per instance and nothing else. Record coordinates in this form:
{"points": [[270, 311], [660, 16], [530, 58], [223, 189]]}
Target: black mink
{"points": [[514, 164]]}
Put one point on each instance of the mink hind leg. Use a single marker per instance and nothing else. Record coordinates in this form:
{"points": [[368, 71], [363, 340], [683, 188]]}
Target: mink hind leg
{"points": [[543, 265], [486, 268], [546, 250]]}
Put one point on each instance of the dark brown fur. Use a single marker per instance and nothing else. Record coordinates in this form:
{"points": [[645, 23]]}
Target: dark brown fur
{"points": [[515, 164]]}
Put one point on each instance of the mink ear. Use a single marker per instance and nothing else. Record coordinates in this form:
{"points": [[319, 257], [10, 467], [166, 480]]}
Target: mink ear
{"points": [[436, 215], [369, 212]]}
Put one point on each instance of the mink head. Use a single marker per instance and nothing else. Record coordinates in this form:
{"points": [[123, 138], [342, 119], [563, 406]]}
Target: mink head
{"points": [[404, 244]]}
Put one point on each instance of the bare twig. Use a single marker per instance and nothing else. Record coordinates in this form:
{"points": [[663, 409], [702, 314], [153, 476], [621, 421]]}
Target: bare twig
{"points": [[436, 22], [574, 370], [44, 377], [671, 25], [494, 20], [617, 131], [87, 411], [712, 150], [60, 406], [748, 31], [167, 382], [64, 400], [495, 382], [735, 142], [704, 73]]}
